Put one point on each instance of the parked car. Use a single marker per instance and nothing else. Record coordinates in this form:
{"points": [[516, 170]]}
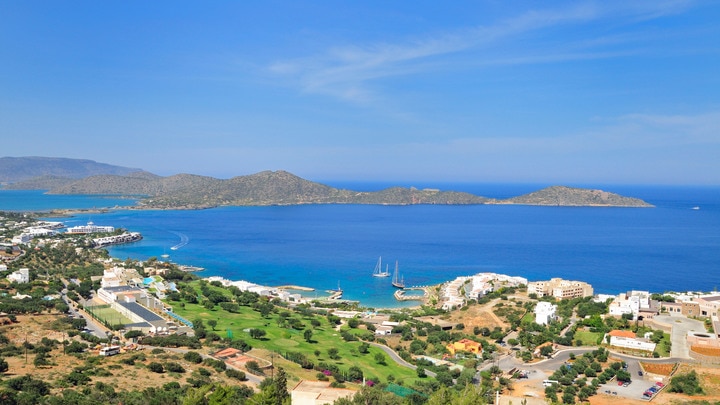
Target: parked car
{"points": [[640, 373], [659, 384]]}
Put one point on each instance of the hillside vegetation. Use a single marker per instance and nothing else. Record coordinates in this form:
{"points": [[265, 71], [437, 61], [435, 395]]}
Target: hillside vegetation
{"points": [[189, 191], [16, 169]]}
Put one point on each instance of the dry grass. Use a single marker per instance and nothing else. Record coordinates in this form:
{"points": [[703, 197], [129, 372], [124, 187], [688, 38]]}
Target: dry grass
{"points": [[124, 377], [706, 351], [658, 369], [478, 315]]}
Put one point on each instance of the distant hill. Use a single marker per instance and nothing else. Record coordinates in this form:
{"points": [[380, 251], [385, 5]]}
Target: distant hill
{"points": [[569, 196], [189, 191], [17, 169], [264, 188]]}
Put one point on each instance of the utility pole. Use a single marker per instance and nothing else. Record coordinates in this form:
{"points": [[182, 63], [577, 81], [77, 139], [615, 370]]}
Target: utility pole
{"points": [[272, 364]]}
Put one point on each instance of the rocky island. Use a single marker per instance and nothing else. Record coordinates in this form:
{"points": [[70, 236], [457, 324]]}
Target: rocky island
{"points": [[189, 191]]}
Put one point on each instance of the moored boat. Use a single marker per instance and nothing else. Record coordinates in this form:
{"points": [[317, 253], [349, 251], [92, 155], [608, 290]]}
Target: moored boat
{"points": [[398, 281], [378, 272]]}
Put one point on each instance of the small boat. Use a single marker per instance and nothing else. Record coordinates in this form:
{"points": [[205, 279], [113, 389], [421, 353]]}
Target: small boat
{"points": [[398, 282], [696, 208], [378, 272], [336, 294]]}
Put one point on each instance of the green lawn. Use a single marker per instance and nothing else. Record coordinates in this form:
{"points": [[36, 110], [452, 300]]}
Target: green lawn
{"points": [[283, 339], [109, 315], [527, 318], [588, 338], [663, 348]]}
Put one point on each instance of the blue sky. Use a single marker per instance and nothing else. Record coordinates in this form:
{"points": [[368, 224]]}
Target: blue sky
{"points": [[570, 92]]}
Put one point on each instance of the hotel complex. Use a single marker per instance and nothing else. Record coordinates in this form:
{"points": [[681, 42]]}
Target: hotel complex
{"points": [[560, 289], [90, 228]]}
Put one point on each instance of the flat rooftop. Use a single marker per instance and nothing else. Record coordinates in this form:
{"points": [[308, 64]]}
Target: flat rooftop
{"points": [[141, 311]]}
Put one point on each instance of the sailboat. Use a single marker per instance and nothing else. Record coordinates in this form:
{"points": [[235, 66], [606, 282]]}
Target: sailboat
{"points": [[398, 282], [378, 272]]}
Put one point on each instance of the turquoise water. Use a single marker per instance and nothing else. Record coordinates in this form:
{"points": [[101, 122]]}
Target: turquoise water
{"points": [[668, 248], [33, 200]]}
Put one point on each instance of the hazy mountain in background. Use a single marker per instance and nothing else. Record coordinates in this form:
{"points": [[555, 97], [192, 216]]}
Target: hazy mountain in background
{"points": [[17, 169], [190, 191]]}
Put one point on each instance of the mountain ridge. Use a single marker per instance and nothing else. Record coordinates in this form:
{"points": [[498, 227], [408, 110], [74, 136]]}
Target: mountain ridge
{"points": [[190, 191], [16, 169]]}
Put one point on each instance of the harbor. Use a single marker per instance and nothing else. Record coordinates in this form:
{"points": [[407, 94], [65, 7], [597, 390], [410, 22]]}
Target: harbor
{"points": [[402, 295]]}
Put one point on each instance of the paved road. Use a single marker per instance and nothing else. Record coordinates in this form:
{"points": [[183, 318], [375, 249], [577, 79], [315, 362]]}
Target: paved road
{"points": [[546, 367], [93, 327], [397, 359], [680, 328]]}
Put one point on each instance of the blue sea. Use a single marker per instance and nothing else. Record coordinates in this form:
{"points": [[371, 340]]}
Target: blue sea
{"points": [[671, 247]]}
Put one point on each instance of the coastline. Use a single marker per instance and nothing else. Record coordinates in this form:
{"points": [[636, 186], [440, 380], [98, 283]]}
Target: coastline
{"points": [[250, 265], [294, 287]]}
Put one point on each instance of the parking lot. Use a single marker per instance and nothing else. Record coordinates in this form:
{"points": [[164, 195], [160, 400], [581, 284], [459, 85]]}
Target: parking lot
{"points": [[634, 390]]}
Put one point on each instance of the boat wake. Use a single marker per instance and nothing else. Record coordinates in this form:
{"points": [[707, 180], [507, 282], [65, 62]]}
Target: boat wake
{"points": [[184, 240]]}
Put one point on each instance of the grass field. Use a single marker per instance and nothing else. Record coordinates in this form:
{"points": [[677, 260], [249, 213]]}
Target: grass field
{"points": [[109, 315], [280, 338], [588, 338]]}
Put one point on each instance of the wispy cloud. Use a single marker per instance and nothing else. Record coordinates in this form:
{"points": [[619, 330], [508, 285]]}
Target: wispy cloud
{"points": [[347, 72], [631, 148]]}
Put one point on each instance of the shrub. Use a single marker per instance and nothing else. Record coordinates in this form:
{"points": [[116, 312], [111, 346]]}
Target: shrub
{"points": [[236, 374], [254, 367], [173, 367], [193, 357], [686, 384], [156, 367]]}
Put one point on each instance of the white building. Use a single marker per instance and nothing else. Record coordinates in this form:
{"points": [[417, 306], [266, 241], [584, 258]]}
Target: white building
{"points": [[629, 303], [20, 276], [561, 289], [545, 312], [383, 330], [627, 340], [21, 239], [90, 228], [455, 293]]}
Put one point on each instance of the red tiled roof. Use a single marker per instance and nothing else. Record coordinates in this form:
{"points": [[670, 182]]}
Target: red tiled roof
{"points": [[622, 333]]}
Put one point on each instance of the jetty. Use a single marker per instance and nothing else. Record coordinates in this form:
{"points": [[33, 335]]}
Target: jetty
{"points": [[190, 269], [294, 287], [335, 295], [401, 295], [117, 239]]}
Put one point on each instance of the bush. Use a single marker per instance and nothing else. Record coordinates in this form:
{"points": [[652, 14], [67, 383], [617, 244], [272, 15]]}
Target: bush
{"points": [[253, 367], [193, 357], [218, 365], [76, 378], [236, 374], [156, 367], [686, 384], [133, 334], [173, 367]]}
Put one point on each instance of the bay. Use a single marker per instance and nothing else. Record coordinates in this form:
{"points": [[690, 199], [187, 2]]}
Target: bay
{"points": [[37, 201], [671, 247]]}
